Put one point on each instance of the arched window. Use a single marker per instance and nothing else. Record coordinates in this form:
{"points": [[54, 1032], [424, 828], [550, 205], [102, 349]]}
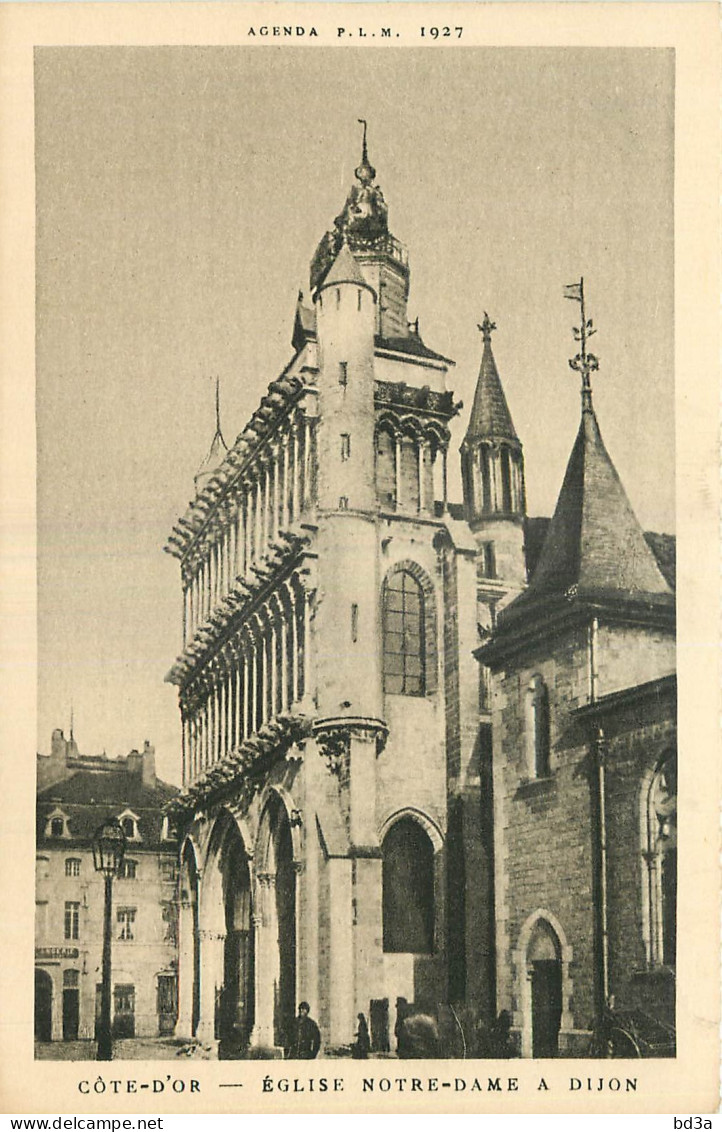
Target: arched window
{"points": [[661, 859], [408, 889], [538, 731], [404, 635]]}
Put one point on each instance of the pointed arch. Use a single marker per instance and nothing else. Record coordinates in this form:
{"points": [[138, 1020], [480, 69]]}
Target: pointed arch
{"points": [[542, 960]]}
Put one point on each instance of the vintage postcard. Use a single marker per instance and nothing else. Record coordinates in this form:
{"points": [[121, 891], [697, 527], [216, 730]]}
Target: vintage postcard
{"points": [[360, 494]]}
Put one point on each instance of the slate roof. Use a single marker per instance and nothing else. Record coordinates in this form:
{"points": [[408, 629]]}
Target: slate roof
{"points": [[344, 269], [663, 548], [490, 416], [411, 345], [594, 542], [88, 797]]}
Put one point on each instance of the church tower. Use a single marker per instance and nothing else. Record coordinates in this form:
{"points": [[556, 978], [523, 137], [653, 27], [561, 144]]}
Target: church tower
{"points": [[584, 743], [492, 469]]}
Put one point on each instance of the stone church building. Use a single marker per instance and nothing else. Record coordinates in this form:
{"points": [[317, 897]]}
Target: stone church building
{"points": [[428, 746]]}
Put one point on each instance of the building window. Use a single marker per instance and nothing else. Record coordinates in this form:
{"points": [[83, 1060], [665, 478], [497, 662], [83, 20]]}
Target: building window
{"points": [[126, 923], [538, 728], [506, 500], [354, 622], [168, 869], [57, 825], [72, 919], [72, 866], [71, 979], [408, 889], [403, 628], [661, 859], [345, 446], [170, 922], [343, 374], [128, 869], [42, 868], [487, 560], [129, 825]]}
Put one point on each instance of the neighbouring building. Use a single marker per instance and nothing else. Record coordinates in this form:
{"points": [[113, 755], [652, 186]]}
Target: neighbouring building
{"points": [[369, 819], [76, 794]]}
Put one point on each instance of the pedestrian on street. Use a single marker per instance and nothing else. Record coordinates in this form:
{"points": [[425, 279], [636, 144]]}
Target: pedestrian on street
{"points": [[362, 1045], [307, 1036]]}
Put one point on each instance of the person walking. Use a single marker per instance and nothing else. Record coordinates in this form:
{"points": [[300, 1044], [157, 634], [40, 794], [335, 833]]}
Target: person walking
{"points": [[362, 1045], [307, 1036]]}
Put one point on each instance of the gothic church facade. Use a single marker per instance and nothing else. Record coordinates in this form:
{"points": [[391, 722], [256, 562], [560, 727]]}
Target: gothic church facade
{"points": [[352, 831]]}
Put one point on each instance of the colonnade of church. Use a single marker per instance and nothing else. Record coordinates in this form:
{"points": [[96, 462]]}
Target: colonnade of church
{"points": [[497, 478], [411, 466], [268, 498], [256, 675]]}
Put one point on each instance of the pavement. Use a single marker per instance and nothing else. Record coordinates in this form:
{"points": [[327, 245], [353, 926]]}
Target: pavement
{"points": [[124, 1049]]}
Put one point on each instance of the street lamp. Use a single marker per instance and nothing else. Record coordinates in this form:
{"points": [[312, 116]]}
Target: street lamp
{"points": [[108, 850]]}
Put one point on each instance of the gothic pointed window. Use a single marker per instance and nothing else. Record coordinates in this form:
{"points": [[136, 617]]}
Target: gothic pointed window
{"points": [[403, 619], [661, 861], [408, 889]]}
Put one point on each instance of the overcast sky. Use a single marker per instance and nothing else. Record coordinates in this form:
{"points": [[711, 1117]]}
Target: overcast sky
{"points": [[181, 193]]}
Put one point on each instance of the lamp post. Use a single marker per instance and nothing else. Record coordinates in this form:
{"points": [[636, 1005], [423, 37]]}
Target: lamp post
{"points": [[108, 850]]}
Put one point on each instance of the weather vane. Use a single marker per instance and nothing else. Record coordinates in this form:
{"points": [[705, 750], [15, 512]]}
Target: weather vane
{"points": [[583, 362]]}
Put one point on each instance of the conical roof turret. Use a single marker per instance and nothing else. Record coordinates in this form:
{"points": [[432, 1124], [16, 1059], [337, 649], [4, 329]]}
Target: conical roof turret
{"points": [[490, 417], [594, 545]]}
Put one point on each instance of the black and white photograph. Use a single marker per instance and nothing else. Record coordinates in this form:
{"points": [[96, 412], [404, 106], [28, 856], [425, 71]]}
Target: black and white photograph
{"points": [[357, 626]]}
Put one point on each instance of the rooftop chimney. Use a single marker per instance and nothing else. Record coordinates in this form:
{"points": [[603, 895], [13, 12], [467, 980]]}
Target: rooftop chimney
{"points": [[149, 778]]}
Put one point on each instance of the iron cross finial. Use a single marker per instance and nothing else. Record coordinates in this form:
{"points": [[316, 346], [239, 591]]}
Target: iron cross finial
{"points": [[486, 327]]}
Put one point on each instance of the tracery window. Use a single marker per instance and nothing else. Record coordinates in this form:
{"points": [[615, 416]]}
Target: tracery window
{"points": [[661, 859], [404, 636]]}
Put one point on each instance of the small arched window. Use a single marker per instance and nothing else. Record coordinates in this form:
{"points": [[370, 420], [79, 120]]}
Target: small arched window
{"points": [[408, 889], [538, 728], [404, 635], [660, 854]]}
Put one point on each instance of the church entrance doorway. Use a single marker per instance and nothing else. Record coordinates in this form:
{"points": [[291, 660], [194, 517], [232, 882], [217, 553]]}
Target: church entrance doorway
{"points": [[546, 990], [546, 1007]]}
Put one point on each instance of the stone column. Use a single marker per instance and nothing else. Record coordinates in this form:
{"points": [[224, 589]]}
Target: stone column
{"points": [[306, 461], [284, 492], [444, 476], [397, 467], [296, 472], [422, 474], [184, 1025], [211, 972], [267, 960], [247, 692], [294, 646]]}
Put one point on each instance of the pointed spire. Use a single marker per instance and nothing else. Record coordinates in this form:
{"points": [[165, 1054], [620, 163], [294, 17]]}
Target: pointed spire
{"points": [[365, 172], [490, 417], [594, 544]]}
